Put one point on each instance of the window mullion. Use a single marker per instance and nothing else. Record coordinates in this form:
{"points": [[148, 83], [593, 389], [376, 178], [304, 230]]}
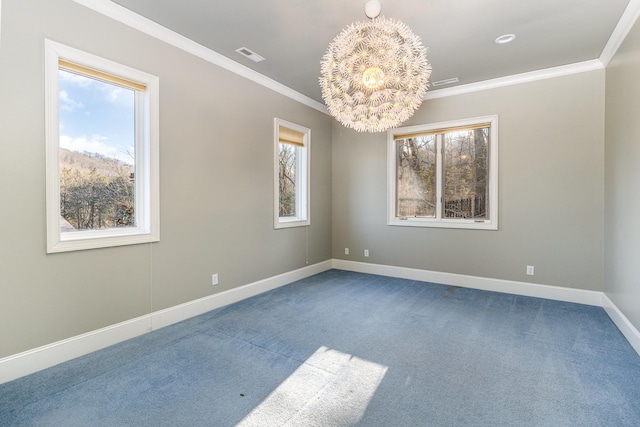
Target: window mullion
{"points": [[455, 177], [440, 176]]}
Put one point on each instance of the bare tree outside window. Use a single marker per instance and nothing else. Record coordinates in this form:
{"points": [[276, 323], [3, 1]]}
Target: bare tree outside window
{"points": [[102, 152], [291, 174], [444, 174], [287, 179], [97, 179], [416, 183], [466, 169]]}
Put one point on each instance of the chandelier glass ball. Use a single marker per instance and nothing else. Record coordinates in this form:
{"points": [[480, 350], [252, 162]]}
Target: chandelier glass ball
{"points": [[374, 75]]}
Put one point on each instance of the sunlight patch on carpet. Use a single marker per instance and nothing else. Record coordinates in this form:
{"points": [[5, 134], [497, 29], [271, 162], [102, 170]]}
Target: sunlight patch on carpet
{"points": [[329, 388]]}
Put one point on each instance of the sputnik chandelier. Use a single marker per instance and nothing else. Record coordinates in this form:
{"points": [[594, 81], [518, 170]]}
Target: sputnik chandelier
{"points": [[375, 73]]}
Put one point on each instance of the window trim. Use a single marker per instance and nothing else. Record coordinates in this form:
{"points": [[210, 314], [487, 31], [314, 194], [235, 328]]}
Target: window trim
{"points": [[147, 203], [489, 224], [303, 186]]}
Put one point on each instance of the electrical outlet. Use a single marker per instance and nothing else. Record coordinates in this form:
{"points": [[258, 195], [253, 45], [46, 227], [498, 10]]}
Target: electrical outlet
{"points": [[346, 251], [366, 252], [530, 270], [214, 279]]}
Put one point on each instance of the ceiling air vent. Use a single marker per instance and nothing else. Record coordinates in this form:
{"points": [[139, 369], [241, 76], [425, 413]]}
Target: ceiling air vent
{"points": [[250, 54], [445, 82]]}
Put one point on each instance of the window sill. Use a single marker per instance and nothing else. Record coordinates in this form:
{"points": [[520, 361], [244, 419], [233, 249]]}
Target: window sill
{"points": [[77, 241], [291, 222], [450, 223]]}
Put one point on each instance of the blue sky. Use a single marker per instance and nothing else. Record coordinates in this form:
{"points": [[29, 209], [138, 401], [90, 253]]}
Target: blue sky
{"points": [[96, 117]]}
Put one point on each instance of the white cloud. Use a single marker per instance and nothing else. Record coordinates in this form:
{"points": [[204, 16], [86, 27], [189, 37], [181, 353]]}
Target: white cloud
{"points": [[76, 79], [117, 95], [112, 95], [68, 104], [94, 144]]}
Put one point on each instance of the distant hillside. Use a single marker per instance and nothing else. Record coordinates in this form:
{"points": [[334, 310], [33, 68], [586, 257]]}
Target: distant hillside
{"points": [[86, 162]]}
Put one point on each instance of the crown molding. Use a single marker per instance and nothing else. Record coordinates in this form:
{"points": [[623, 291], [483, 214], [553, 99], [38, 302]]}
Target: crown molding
{"points": [[132, 19], [531, 76], [624, 26], [622, 29], [140, 23]]}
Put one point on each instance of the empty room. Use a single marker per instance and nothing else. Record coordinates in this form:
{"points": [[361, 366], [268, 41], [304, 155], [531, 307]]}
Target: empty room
{"points": [[306, 213]]}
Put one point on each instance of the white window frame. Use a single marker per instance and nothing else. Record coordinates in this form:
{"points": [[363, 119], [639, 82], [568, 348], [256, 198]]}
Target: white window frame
{"points": [[438, 222], [147, 203], [303, 156]]}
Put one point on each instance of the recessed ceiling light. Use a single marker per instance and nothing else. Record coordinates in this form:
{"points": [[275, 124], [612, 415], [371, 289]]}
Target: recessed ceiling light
{"points": [[445, 82], [250, 54], [505, 38]]}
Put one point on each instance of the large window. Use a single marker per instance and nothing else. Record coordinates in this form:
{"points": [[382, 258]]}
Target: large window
{"points": [[291, 162], [102, 152], [444, 174]]}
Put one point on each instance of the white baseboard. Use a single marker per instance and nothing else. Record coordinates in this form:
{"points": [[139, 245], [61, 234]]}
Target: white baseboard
{"points": [[624, 325], [578, 296], [31, 361], [28, 362], [193, 308], [557, 293]]}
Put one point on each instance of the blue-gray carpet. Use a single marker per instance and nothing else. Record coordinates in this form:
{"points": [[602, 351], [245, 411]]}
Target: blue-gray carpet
{"points": [[343, 348]]}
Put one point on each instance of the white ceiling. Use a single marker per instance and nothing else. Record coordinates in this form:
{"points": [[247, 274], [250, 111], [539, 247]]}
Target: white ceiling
{"points": [[293, 34]]}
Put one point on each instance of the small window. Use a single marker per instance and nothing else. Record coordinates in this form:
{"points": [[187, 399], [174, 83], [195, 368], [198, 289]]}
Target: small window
{"points": [[444, 174], [102, 152], [291, 188]]}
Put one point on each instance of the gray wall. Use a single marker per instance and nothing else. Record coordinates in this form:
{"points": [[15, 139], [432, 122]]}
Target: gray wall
{"points": [[216, 186], [216, 175], [551, 163], [622, 178]]}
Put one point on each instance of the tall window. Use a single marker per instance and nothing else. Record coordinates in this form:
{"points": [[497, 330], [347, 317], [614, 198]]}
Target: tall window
{"points": [[444, 174], [102, 152], [291, 161]]}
